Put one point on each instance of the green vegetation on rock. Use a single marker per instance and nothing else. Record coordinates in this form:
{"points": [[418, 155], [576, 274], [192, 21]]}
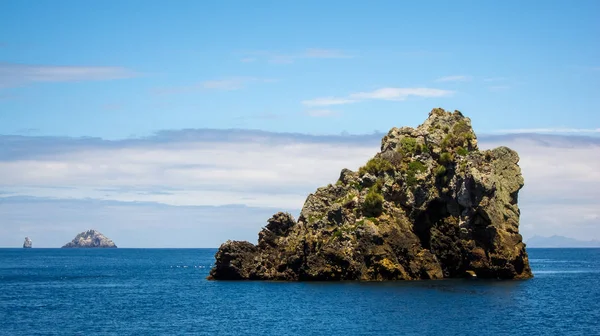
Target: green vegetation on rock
{"points": [[458, 138], [408, 145], [446, 158], [376, 166], [373, 204], [414, 168], [414, 211], [440, 171], [357, 186], [462, 151]]}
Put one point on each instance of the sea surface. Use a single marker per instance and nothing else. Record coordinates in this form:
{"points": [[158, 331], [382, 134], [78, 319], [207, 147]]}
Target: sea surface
{"points": [[164, 292]]}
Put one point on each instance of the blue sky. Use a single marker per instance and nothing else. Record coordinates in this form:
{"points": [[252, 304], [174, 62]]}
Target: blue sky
{"points": [[130, 76], [120, 68]]}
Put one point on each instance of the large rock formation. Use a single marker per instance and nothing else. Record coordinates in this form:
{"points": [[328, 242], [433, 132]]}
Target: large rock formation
{"points": [[27, 243], [429, 205], [90, 239]]}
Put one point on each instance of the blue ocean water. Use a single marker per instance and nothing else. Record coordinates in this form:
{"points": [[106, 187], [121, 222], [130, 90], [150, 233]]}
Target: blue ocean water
{"points": [[164, 292]]}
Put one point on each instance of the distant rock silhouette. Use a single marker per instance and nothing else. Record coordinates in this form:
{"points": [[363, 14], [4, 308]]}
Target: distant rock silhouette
{"points": [[90, 239], [28, 243], [560, 241]]}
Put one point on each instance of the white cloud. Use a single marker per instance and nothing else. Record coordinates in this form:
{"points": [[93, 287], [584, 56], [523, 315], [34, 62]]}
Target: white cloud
{"points": [[226, 84], [395, 94], [558, 130], [401, 93], [458, 78], [18, 74], [246, 171], [561, 194], [287, 57], [322, 113]]}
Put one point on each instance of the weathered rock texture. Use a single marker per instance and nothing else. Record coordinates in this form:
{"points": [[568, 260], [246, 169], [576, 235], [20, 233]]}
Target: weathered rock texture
{"points": [[429, 205], [90, 239], [27, 243]]}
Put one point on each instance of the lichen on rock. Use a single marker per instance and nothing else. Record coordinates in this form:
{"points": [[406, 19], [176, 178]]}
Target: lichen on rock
{"points": [[429, 205], [90, 239]]}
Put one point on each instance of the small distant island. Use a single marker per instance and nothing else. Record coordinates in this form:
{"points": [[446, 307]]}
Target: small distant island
{"points": [[90, 239], [28, 243]]}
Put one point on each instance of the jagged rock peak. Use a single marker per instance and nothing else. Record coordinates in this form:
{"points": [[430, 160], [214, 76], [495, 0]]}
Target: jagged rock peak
{"points": [[90, 239], [441, 130], [27, 243], [429, 205]]}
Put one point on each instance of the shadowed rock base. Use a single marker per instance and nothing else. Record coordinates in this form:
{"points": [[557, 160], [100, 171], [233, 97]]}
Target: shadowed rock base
{"points": [[429, 205]]}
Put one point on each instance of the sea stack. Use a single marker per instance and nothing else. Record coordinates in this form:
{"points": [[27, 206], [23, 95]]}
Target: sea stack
{"points": [[28, 243], [90, 239], [428, 205]]}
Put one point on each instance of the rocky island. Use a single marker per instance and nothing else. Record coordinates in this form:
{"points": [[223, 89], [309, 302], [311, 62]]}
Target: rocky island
{"points": [[429, 205], [90, 239], [27, 243]]}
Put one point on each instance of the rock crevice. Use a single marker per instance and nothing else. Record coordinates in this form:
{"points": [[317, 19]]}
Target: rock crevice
{"points": [[429, 205]]}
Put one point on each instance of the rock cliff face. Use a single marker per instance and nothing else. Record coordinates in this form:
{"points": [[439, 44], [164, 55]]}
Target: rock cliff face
{"points": [[90, 239], [429, 205], [28, 243]]}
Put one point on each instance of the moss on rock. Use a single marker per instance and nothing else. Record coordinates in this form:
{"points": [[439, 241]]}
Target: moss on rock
{"points": [[429, 205]]}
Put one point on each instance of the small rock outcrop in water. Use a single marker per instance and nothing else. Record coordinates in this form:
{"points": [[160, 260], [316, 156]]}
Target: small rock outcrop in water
{"points": [[429, 205], [90, 239], [28, 243]]}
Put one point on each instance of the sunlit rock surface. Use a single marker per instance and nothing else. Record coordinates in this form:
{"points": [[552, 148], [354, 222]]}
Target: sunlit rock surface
{"points": [[429, 205]]}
